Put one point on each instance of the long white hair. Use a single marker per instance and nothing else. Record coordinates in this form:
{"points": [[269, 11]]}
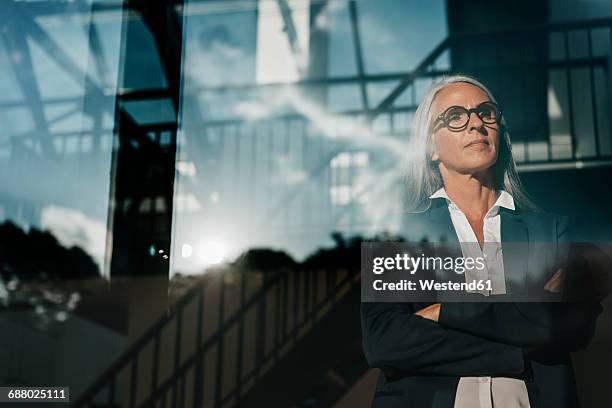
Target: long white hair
{"points": [[423, 177]]}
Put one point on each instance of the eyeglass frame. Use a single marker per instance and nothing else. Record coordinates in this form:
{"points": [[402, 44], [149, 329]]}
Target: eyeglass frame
{"points": [[440, 117]]}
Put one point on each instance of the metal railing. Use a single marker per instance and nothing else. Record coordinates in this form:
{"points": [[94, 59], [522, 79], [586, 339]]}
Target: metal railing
{"points": [[569, 128], [569, 49], [284, 307]]}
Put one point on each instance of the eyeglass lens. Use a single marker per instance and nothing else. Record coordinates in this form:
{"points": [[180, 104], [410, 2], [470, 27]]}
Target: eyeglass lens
{"points": [[458, 116]]}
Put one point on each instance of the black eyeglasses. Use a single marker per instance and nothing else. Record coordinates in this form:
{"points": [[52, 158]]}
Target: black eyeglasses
{"points": [[457, 117]]}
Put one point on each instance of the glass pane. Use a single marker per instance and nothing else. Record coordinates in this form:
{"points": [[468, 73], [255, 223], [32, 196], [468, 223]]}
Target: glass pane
{"points": [[288, 160], [58, 78]]}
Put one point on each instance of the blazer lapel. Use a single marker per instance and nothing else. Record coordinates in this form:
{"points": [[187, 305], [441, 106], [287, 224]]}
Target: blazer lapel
{"points": [[515, 247], [446, 244], [441, 227]]}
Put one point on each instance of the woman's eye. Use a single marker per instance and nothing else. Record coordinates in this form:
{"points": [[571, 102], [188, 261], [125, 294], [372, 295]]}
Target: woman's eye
{"points": [[487, 113], [454, 115]]}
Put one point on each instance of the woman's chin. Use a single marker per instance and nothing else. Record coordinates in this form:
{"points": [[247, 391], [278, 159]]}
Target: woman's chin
{"points": [[477, 166], [479, 161]]}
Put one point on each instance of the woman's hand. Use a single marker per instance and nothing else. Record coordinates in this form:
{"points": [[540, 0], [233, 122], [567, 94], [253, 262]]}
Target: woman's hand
{"points": [[431, 312], [555, 284]]}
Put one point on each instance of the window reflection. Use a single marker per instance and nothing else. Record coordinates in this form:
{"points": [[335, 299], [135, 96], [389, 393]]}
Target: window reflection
{"points": [[59, 71], [293, 128], [283, 153]]}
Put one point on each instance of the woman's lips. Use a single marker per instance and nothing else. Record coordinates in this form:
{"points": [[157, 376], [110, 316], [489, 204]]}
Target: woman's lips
{"points": [[478, 142]]}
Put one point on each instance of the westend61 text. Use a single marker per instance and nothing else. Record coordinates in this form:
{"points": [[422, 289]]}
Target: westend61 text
{"points": [[430, 284]]}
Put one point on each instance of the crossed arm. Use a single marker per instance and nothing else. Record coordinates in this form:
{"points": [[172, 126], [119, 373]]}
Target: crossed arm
{"points": [[471, 339], [566, 326], [394, 338]]}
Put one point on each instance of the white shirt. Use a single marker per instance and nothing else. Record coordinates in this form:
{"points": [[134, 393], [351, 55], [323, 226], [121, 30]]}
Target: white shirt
{"points": [[486, 392], [491, 251]]}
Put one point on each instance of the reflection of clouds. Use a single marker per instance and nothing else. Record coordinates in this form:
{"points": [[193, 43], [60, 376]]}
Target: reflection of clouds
{"points": [[322, 21], [220, 64], [388, 28], [379, 193], [287, 171], [218, 52], [328, 124], [336, 5], [228, 51], [298, 177], [377, 33], [15, 121], [341, 127], [377, 91], [282, 45], [251, 110], [73, 228], [218, 39], [377, 187]]}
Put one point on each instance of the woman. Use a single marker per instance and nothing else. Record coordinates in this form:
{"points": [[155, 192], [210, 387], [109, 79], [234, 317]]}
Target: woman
{"points": [[464, 184]]}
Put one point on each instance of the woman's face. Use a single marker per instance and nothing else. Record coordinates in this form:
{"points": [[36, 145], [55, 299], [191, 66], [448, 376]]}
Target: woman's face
{"points": [[471, 149]]}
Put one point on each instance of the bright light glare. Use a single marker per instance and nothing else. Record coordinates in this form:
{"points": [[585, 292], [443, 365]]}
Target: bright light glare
{"points": [[212, 252], [186, 250]]}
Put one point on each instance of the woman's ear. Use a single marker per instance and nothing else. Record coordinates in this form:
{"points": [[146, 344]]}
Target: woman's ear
{"points": [[432, 149], [434, 154]]}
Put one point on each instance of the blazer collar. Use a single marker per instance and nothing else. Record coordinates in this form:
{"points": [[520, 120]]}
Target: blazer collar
{"points": [[440, 223], [513, 226], [515, 247], [514, 237]]}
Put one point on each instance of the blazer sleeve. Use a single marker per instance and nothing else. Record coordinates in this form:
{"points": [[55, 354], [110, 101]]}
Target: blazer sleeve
{"points": [[564, 325], [394, 338], [568, 326]]}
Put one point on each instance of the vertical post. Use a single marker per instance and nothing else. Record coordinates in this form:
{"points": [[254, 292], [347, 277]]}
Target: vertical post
{"points": [[219, 368], [570, 99], [155, 371], [240, 341], [163, 399], [593, 94], [358, 54], [134, 381], [198, 382], [296, 302], [260, 339], [277, 318], [111, 391], [524, 108], [285, 314], [177, 355], [307, 277], [144, 168]]}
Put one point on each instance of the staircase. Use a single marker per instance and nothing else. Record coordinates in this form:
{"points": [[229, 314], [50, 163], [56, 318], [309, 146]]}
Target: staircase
{"points": [[323, 366], [262, 326]]}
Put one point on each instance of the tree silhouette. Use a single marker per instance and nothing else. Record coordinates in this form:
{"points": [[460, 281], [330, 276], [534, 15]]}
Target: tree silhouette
{"points": [[38, 254], [265, 260]]}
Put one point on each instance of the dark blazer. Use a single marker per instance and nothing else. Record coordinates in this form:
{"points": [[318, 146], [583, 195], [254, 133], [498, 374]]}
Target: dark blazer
{"points": [[421, 361]]}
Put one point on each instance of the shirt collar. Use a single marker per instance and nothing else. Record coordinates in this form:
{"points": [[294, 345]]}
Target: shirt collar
{"points": [[503, 200]]}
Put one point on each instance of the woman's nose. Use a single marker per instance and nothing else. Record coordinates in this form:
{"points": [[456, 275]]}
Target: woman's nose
{"points": [[474, 122]]}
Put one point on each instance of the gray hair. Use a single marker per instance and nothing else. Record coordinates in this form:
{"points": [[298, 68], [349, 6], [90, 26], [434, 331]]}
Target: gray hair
{"points": [[423, 177]]}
